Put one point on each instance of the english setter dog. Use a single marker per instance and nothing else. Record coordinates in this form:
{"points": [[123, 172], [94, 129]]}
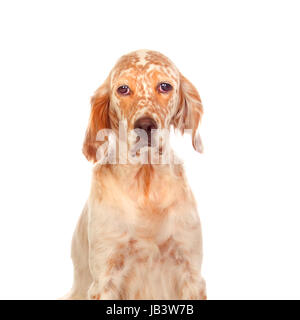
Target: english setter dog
{"points": [[139, 235]]}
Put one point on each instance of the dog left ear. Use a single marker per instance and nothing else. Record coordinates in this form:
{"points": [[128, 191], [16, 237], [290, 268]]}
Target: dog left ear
{"points": [[189, 112], [99, 119]]}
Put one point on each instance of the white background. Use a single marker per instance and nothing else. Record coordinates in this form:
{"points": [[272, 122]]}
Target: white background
{"points": [[243, 56]]}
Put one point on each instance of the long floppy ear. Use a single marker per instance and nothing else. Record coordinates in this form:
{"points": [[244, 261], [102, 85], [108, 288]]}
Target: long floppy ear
{"points": [[98, 120], [190, 111]]}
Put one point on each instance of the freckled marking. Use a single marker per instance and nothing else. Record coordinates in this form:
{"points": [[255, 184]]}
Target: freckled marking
{"points": [[142, 259], [132, 242], [169, 250], [115, 263], [132, 250], [96, 297], [178, 259], [109, 286], [165, 245]]}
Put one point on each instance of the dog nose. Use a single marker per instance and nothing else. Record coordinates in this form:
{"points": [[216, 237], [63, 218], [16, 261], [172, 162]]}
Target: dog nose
{"points": [[145, 123]]}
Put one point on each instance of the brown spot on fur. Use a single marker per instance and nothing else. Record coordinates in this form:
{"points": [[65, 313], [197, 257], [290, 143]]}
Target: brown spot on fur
{"points": [[170, 250], [116, 263], [132, 250], [165, 245], [177, 257], [132, 242], [111, 287], [142, 259]]}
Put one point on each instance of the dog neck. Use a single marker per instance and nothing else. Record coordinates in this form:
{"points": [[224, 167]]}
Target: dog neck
{"points": [[155, 185]]}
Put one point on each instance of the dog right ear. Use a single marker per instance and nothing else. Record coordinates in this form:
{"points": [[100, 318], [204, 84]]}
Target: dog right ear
{"points": [[99, 119], [190, 112]]}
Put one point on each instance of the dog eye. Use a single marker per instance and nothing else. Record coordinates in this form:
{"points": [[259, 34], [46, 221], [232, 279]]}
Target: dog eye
{"points": [[164, 87], [123, 90]]}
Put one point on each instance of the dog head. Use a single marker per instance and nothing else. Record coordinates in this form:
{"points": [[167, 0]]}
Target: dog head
{"points": [[146, 90]]}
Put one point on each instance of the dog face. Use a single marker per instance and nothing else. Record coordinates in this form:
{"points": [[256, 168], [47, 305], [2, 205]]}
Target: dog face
{"points": [[146, 90], [145, 85]]}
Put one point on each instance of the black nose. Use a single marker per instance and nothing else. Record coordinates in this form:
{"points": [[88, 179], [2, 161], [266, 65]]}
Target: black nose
{"points": [[145, 123]]}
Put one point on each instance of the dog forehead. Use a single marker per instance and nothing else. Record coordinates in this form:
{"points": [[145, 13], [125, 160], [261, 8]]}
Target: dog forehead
{"points": [[143, 62]]}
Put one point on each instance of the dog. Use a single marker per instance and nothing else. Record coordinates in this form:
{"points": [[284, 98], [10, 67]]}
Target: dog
{"points": [[139, 235]]}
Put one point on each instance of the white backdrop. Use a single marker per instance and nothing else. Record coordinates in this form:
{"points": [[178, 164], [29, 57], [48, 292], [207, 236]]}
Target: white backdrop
{"points": [[243, 56]]}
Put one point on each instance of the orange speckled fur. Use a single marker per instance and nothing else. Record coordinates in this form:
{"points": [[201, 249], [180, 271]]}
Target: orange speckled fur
{"points": [[139, 235]]}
